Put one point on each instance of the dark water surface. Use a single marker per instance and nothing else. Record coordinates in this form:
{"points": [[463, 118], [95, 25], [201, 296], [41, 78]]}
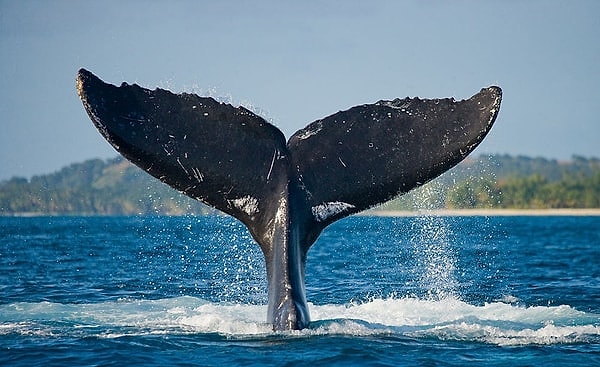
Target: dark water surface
{"points": [[415, 291]]}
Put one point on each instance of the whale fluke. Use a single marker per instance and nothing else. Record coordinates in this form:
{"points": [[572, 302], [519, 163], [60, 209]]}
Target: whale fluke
{"points": [[287, 193]]}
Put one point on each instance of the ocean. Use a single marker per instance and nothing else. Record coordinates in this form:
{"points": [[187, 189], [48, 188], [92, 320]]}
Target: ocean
{"points": [[382, 291]]}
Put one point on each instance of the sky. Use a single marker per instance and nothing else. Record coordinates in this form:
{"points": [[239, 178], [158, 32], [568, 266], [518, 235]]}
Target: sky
{"points": [[295, 62]]}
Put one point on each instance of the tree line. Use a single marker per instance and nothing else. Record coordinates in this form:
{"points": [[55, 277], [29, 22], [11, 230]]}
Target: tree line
{"points": [[527, 192], [116, 187], [95, 187]]}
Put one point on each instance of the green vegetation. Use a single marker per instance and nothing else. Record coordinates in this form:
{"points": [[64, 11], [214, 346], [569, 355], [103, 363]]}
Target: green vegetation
{"points": [[525, 183], [95, 187], [116, 187], [506, 182], [528, 192]]}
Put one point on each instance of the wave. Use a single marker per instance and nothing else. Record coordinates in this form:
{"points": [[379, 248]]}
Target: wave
{"points": [[497, 323]]}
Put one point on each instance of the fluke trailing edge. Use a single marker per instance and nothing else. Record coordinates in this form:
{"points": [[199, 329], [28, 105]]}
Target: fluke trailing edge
{"points": [[287, 193]]}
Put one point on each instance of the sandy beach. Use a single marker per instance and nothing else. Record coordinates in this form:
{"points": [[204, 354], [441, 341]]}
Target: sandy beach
{"points": [[486, 212]]}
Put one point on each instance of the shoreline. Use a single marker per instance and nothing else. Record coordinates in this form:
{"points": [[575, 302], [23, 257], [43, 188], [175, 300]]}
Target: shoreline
{"points": [[376, 213], [486, 213]]}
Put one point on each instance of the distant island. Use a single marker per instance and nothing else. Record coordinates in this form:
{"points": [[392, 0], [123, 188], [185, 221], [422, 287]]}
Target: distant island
{"points": [[116, 187]]}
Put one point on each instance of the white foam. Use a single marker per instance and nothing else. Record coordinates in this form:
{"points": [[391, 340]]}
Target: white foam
{"points": [[495, 323], [449, 319]]}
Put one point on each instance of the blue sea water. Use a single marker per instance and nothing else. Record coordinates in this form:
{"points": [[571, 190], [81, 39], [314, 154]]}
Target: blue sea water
{"points": [[397, 291]]}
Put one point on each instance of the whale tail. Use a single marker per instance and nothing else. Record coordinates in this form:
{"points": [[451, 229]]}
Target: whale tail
{"points": [[287, 193]]}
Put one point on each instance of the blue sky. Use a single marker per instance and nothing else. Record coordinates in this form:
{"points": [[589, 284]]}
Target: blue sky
{"points": [[300, 61]]}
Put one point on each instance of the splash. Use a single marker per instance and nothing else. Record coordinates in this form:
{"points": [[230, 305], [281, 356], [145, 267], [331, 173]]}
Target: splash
{"points": [[432, 247], [449, 319]]}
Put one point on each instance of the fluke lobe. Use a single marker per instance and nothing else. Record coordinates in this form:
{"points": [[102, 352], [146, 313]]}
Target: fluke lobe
{"points": [[287, 193]]}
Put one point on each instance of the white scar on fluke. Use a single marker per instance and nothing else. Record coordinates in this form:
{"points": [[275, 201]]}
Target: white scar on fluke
{"points": [[247, 204], [326, 210]]}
